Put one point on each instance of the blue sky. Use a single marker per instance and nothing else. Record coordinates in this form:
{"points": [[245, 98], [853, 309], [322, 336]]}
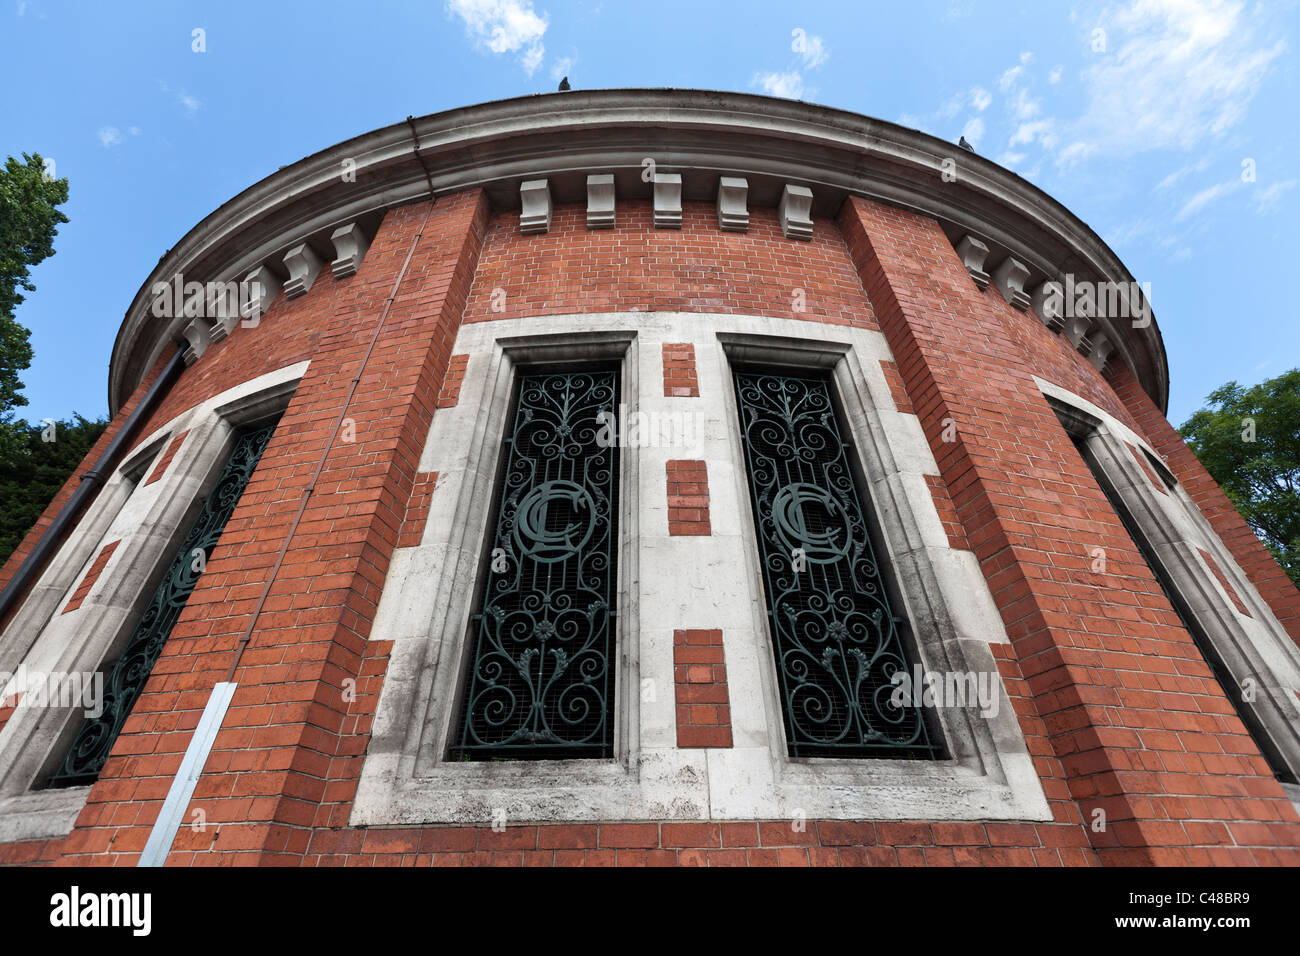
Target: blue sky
{"points": [[1144, 117]]}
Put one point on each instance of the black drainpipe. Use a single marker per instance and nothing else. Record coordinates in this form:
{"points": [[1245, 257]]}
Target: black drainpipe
{"points": [[90, 483]]}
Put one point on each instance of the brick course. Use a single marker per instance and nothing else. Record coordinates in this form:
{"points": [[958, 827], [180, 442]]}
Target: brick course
{"points": [[680, 380], [688, 498], [161, 466], [700, 677], [91, 576]]}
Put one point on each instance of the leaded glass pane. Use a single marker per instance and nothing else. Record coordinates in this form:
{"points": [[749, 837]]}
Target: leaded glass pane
{"points": [[540, 681], [837, 643]]}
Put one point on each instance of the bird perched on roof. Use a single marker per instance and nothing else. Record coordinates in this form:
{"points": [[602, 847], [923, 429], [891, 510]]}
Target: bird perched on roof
{"points": [[564, 85], [965, 145]]}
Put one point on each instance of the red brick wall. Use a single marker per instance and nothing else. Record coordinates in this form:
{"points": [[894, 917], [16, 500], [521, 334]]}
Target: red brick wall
{"points": [[1141, 728], [698, 268], [455, 378], [268, 771], [417, 509], [1255, 560], [1119, 712]]}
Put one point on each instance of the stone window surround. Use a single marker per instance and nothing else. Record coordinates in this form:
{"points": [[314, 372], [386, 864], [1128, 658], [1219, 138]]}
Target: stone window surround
{"points": [[406, 780], [150, 521], [1257, 646]]}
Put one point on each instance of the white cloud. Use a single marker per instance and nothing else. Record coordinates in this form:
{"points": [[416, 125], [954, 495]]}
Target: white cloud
{"points": [[1181, 71], [1055, 76], [1198, 167], [812, 49], [1076, 152], [1009, 78], [973, 130], [190, 103], [562, 67], [1026, 57], [980, 98], [1129, 232], [109, 136], [1269, 200], [504, 26], [789, 85], [1011, 159], [1037, 130], [1206, 196], [1025, 107]]}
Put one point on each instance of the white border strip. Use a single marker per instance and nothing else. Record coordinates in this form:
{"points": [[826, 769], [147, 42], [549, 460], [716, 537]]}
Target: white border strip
{"points": [[187, 777]]}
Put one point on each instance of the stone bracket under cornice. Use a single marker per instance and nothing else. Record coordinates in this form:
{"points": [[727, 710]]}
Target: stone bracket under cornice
{"points": [[230, 303], [700, 135], [1091, 321], [794, 212]]}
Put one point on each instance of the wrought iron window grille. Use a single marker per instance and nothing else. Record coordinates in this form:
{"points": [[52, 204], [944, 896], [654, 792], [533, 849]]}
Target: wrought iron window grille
{"points": [[125, 676], [841, 652], [540, 675]]}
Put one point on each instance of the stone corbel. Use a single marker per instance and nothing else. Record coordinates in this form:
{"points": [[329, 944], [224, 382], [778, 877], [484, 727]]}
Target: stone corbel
{"points": [[535, 207], [973, 253], [600, 201], [1102, 350], [1076, 331], [303, 265], [261, 286], [224, 302], [197, 337], [668, 200], [350, 245], [1010, 281], [1048, 303], [795, 212], [733, 208]]}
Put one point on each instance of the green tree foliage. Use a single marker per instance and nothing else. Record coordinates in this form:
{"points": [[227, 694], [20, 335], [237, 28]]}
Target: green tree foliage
{"points": [[30, 478], [29, 221], [1249, 440]]}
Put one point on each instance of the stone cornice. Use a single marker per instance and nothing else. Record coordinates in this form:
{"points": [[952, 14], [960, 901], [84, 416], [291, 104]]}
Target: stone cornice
{"points": [[700, 135]]}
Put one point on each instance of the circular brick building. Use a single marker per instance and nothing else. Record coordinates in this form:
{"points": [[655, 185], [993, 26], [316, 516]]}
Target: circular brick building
{"points": [[645, 476]]}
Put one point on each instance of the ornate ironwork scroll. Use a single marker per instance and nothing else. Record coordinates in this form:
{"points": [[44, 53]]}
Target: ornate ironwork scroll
{"points": [[837, 643], [125, 677], [540, 681]]}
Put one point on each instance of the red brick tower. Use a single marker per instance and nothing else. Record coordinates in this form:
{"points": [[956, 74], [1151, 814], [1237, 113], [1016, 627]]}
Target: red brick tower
{"points": [[645, 477]]}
